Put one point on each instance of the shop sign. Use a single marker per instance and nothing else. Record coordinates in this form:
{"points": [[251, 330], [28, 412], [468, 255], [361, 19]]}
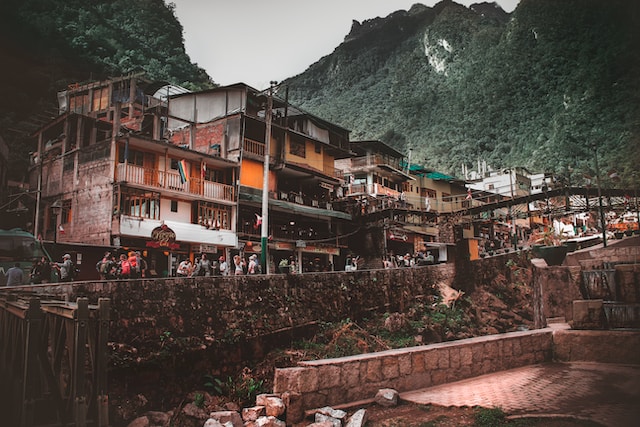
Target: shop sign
{"points": [[163, 237], [326, 186], [283, 246], [301, 244], [322, 250], [397, 235], [209, 249]]}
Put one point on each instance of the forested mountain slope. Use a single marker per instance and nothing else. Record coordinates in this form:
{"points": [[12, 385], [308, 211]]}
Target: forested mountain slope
{"points": [[536, 88], [47, 44]]}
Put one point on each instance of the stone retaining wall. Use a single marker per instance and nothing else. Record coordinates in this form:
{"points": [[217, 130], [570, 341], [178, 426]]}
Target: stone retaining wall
{"points": [[355, 378], [597, 346]]}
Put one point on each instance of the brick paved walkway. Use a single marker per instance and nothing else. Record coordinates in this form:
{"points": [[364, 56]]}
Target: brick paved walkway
{"points": [[605, 393]]}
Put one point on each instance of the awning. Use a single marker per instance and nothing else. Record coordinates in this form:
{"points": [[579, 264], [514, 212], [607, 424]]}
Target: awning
{"points": [[184, 232]]}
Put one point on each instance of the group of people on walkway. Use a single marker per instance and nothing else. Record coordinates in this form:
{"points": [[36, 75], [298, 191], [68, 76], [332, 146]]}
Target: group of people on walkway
{"points": [[127, 266], [203, 266]]}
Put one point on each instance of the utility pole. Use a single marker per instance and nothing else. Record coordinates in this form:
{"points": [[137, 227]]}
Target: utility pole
{"points": [[512, 226], [264, 237]]}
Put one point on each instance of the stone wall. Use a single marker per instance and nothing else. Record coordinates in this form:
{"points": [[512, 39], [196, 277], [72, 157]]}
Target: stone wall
{"points": [[625, 250], [356, 378], [227, 309], [555, 288], [597, 346]]}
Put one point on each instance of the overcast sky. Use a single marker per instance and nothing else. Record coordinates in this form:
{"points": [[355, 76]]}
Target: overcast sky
{"points": [[256, 41]]}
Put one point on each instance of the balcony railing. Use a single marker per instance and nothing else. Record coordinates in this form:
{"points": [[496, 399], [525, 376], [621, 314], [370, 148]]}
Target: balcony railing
{"points": [[155, 178], [254, 147], [374, 159], [372, 190]]}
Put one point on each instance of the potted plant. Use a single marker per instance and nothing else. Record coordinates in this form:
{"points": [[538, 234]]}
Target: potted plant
{"points": [[549, 245]]}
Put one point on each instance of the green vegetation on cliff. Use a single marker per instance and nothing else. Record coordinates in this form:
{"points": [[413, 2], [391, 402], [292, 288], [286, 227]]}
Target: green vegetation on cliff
{"points": [[536, 88], [47, 44]]}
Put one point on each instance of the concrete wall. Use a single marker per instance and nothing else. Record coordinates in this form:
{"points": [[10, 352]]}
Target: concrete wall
{"points": [[354, 378]]}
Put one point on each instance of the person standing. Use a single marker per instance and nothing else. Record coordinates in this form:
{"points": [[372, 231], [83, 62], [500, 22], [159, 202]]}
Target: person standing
{"points": [[104, 266], [133, 262], [204, 266], [238, 265], [124, 267], [65, 268], [141, 265], [14, 275], [223, 266], [184, 269], [254, 265]]}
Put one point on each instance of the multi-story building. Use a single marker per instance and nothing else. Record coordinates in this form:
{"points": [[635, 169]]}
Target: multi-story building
{"points": [[242, 124], [404, 200], [108, 179]]}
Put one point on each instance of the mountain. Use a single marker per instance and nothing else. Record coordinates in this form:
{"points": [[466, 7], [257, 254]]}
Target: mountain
{"points": [[542, 87], [48, 44]]}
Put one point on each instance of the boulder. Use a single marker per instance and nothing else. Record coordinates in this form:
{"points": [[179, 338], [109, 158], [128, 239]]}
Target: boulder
{"points": [[387, 397]]}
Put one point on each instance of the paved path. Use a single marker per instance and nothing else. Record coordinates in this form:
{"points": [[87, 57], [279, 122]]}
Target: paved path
{"points": [[606, 393]]}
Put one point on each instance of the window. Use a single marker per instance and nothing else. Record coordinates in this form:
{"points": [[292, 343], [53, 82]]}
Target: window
{"points": [[65, 213], [213, 175], [213, 215], [318, 148], [297, 147], [174, 206], [427, 192], [141, 204], [134, 157]]}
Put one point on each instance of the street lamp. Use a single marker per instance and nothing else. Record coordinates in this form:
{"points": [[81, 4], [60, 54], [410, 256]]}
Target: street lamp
{"points": [[56, 208]]}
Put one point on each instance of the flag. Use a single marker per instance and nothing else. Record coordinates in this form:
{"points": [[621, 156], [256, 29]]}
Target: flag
{"points": [[182, 169], [61, 229], [469, 196], [258, 221]]}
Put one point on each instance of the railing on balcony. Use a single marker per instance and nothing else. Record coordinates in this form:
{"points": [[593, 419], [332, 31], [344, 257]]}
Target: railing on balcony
{"points": [[254, 147], [171, 180], [372, 190], [336, 173], [375, 159]]}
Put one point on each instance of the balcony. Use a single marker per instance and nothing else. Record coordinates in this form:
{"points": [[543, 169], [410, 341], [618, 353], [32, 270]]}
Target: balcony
{"points": [[169, 180], [376, 190], [375, 160], [254, 148]]}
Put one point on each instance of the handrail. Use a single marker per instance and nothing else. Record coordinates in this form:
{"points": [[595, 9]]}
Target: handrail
{"points": [[155, 178]]}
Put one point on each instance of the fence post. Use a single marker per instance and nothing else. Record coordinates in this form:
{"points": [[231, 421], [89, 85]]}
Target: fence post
{"points": [[79, 362], [102, 396]]}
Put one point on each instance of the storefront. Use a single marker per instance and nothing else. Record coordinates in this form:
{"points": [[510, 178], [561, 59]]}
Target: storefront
{"points": [[164, 244], [307, 257]]}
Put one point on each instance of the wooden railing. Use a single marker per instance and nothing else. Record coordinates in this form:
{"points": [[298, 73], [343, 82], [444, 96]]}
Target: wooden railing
{"points": [[372, 190], [375, 159], [171, 180], [53, 361], [254, 147]]}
